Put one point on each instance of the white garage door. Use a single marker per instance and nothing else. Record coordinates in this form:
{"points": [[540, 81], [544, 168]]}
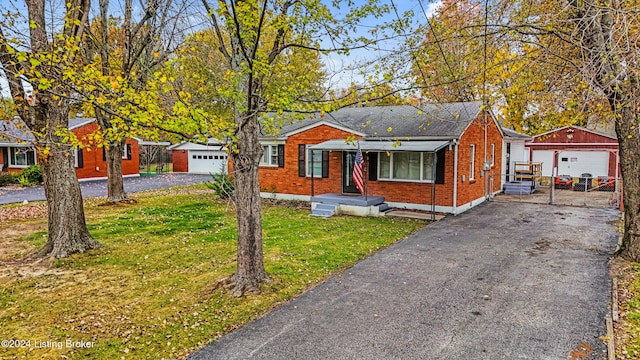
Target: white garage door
{"points": [[207, 161], [575, 163], [546, 158]]}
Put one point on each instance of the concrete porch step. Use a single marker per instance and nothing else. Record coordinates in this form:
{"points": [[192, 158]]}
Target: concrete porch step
{"points": [[324, 210]]}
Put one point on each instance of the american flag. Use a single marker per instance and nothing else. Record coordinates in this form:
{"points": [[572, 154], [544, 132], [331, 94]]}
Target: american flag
{"points": [[358, 179]]}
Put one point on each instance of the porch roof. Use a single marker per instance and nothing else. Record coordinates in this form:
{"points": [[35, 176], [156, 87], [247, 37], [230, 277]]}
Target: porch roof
{"points": [[342, 145]]}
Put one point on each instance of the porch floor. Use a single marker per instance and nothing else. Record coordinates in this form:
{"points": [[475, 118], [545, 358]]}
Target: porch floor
{"points": [[345, 199]]}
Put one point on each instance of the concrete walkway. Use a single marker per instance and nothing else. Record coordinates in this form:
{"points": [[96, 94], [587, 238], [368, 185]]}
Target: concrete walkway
{"points": [[501, 281], [99, 187]]}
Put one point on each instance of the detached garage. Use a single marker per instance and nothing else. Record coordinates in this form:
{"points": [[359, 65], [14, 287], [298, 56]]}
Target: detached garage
{"points": [[199, 158], [574, 151]]}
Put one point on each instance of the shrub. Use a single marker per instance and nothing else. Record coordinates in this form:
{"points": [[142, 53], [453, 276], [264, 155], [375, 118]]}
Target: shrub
{"points": [[8, 179], [221, 184], [30, 176]]}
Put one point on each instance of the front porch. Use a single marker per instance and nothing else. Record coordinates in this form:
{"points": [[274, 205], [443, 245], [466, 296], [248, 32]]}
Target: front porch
{"points": [[326, 205]]}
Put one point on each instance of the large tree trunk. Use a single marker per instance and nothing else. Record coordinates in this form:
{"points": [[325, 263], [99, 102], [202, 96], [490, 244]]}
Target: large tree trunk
{"points": [[629, 141], [250, 272], [68, 232], [115, 183]]}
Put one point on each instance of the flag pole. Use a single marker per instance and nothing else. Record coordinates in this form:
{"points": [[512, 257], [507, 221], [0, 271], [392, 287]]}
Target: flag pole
{"points": [[366, 182]]}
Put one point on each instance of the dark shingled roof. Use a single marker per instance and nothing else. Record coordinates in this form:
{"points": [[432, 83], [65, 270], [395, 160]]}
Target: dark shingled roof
{"points": [[15, 130], [436, 120]]}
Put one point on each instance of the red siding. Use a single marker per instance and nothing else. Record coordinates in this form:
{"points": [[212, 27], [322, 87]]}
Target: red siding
{"points": [[571, 135], [572, 138], [180, 159]]}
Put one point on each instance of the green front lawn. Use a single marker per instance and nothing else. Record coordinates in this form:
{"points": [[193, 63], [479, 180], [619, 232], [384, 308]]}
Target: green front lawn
{"points": [[147, 294]]}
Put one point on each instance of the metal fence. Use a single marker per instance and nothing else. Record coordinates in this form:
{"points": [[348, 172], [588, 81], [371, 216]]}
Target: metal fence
{"points": [[586, 190]]}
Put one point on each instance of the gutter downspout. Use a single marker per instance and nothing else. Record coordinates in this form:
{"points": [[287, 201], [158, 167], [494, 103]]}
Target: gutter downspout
{"points": [[455, 177]]}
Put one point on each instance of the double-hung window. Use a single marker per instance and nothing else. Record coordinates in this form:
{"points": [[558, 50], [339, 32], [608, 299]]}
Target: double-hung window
{"points": [[316, 164], [269, 156], [472, 162], [493, 155], [272, 155]]}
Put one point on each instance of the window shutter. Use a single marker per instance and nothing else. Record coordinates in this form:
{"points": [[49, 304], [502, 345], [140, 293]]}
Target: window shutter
{"points": [[31, 157], [281, 155], [80, 158], [5, 156], [440, 166], [301, 151], [325, 164], [128, 151], [13, 156], [373, 166], [104, 154]]}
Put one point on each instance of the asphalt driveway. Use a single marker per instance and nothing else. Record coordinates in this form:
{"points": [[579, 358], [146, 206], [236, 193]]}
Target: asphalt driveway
{"points": [[95, 188], [501, 281]]}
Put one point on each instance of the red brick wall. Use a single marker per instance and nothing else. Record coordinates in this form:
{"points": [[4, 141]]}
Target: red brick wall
{"points": [[286, 180], [180, 159], [473, 189], [94, 165]]}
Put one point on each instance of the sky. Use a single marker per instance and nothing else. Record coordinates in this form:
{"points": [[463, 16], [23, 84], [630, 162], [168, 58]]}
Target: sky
{"points": [[335, 64]]}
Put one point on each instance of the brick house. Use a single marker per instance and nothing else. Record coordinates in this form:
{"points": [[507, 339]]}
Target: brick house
{"points": [[444, 158], [17, 151], [575, 150]]}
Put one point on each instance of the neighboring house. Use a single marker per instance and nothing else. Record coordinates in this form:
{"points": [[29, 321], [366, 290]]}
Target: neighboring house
{"points": [[514, 151], [445, 157], [195, 158], [574, 151], [17, 151]]}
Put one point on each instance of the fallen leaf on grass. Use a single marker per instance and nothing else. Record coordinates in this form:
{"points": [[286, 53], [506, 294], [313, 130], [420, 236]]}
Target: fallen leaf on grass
{"points": [[23, 212]]}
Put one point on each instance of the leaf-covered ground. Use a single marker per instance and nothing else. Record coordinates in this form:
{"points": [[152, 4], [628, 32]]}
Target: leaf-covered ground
{"points": [[147, 293], [627, 329]]}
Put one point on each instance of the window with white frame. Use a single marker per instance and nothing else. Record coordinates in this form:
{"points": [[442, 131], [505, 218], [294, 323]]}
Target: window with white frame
{"points": [[317, 162], [269, 156], [74, 152], [405, 166], [472, 162], [493, 155], [21, 157]]}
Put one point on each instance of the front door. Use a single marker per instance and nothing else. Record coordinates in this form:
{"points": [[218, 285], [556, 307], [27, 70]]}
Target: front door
{"points": [[348, 186]]}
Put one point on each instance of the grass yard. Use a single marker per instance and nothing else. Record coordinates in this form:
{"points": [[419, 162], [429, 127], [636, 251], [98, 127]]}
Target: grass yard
{"points": [[147, 293]]}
